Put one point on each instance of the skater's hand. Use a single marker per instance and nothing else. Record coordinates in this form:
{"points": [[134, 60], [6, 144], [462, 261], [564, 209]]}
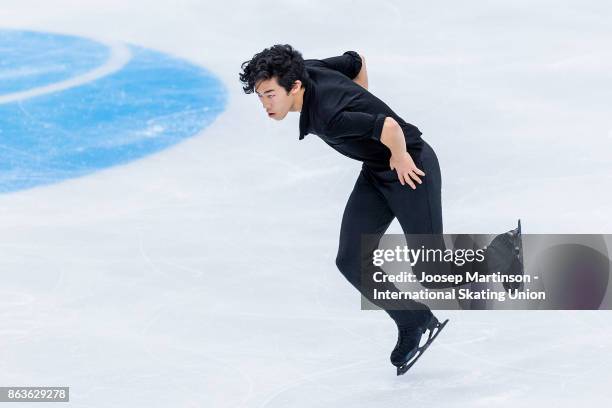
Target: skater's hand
{"points": [[407, 171]]}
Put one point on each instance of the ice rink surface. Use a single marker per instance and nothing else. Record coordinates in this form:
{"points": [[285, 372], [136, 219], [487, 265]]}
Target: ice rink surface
{"points": [[203, 275]]}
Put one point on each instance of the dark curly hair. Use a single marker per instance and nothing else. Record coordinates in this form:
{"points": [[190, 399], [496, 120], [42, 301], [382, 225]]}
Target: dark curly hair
{"points": [[280, 61]]}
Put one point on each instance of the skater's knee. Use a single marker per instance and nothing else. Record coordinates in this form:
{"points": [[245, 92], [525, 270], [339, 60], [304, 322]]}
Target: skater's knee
{"points": [[342, 261], [348, 268]]}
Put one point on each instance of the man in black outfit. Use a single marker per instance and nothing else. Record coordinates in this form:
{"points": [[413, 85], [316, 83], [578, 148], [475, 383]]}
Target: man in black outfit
{"points": [[400, 175]]}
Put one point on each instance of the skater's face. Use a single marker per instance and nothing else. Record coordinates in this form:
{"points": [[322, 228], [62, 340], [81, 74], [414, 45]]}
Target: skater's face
{"points": [[275, 99]]}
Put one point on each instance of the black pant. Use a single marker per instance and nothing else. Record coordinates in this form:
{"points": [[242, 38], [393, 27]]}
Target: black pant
{"points": [[377, 198]]}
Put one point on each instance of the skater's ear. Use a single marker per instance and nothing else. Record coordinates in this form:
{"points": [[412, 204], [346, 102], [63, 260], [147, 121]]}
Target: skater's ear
{"points": [[297, 85]]}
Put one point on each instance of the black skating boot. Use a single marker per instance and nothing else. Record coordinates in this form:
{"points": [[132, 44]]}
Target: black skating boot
{"points": [[505, 255], [408, 337], [407, 345], [407, 350]]}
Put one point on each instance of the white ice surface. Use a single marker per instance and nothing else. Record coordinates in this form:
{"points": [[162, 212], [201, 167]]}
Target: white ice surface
{"points": [[204, 276]]}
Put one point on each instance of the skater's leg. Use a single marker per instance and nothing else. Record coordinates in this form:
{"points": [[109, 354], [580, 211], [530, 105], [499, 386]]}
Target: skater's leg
{"points": [[367, 212], [419, 211]]}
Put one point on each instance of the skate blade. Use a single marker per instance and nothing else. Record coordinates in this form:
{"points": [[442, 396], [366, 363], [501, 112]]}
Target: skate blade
{"points": [[518, 249], [432, 336], [520, 255], [520, 246]]}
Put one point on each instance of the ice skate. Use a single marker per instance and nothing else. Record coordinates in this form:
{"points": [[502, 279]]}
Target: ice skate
{"points": [[505, 255], [407, 350]]}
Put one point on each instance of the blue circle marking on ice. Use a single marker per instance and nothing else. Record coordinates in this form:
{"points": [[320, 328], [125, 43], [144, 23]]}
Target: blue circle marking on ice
{"points": [[70, 106]]}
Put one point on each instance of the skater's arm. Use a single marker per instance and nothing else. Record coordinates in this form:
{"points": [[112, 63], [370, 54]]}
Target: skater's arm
{"points": [[348, 125], [392, 136], [350, 64], [362, 77]]}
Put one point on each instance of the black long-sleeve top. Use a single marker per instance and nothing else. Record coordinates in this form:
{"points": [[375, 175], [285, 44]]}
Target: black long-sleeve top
{"points": [[347, 116]]}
